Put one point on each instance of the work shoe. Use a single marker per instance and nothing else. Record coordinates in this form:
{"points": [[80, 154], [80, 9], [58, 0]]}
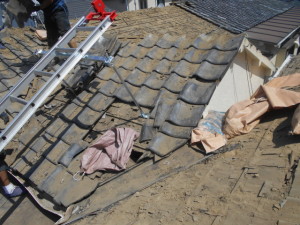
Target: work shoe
{"points": [[16, 192]]}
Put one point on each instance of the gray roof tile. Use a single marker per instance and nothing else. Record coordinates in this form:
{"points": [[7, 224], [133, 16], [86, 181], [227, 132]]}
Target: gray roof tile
{"points": [[186, 115], [149, 41], [197, 92], [70, 112], [164, 66], [57, 151], [109, 88], [210, 72], [176, 131], [105, 73], [157, 53], [220, 57], [175, 83], [137, 77], [147, 65], [129, 63], [146, 97], [185, 69], [100, 102], [162, 111], [38, 175], [124, 73], [123, 94], [174, 54], [163, 144], [58, 127], [67, 192], [195, 55], [88, 117], [155, 80], [74, 134], [83, 98], [167, 41]]}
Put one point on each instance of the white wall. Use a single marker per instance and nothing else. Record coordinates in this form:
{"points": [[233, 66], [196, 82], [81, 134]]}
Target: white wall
{"points": [[238, 84]]}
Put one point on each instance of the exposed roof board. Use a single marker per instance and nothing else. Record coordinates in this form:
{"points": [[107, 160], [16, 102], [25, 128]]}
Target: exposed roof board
{"points": [[278, 28], [235, 16]]}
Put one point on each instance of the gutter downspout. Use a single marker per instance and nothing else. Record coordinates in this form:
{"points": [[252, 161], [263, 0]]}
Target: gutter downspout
{"points": [[286, 61], [296, 42]]}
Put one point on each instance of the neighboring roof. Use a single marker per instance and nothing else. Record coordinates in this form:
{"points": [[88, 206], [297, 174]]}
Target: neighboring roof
{"points": [[78, 8], [236, 16], [277, 29]]}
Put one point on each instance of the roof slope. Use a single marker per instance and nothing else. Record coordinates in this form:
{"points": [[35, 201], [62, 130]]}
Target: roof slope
{"points": [[171, 76], [236, 15], [277, 28]]}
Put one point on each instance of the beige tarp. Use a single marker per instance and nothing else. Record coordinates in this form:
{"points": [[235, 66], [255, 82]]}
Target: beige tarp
{"points": [[243, 116], [209, 132]]}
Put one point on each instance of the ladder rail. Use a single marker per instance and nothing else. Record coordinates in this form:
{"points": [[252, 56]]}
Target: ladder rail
{"points": [[36, 101], [40, 65]]}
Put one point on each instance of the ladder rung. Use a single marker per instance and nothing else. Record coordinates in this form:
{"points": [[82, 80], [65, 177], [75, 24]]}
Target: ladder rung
{"points": [[43, 73], [19, 100], [85, 28]]}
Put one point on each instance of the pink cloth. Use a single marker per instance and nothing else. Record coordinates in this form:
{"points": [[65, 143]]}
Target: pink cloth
{"points": [[110, 152]]}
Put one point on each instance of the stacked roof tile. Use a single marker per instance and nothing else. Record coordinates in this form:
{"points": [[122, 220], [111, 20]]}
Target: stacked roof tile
{"points": [[171, 77]]}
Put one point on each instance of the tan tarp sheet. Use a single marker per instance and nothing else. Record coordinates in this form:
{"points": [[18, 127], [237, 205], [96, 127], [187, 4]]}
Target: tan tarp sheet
{"points": [[296, 121], [209, 132], [243, 116]]}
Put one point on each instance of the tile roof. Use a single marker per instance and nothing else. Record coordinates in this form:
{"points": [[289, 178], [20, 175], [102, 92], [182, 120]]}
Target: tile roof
{"points": [[236, 16], [83, 116], [276, 29], [172, 77]]}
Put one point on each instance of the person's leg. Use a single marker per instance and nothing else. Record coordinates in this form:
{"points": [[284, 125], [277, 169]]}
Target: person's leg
{"points": [[9, 188], [52, 31], [4, 178], [63, 24]]}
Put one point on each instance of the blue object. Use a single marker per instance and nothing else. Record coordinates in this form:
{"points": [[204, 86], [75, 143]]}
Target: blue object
{"points": [[17, 192]]}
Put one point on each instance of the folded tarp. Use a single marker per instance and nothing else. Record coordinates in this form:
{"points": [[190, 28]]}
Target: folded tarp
{"points": [[243, 116], [209, 132], [277, 93], [110, 152]]}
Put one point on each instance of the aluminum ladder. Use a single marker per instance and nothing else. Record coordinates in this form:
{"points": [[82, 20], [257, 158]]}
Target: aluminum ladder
{"points": [[54, 79]]}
